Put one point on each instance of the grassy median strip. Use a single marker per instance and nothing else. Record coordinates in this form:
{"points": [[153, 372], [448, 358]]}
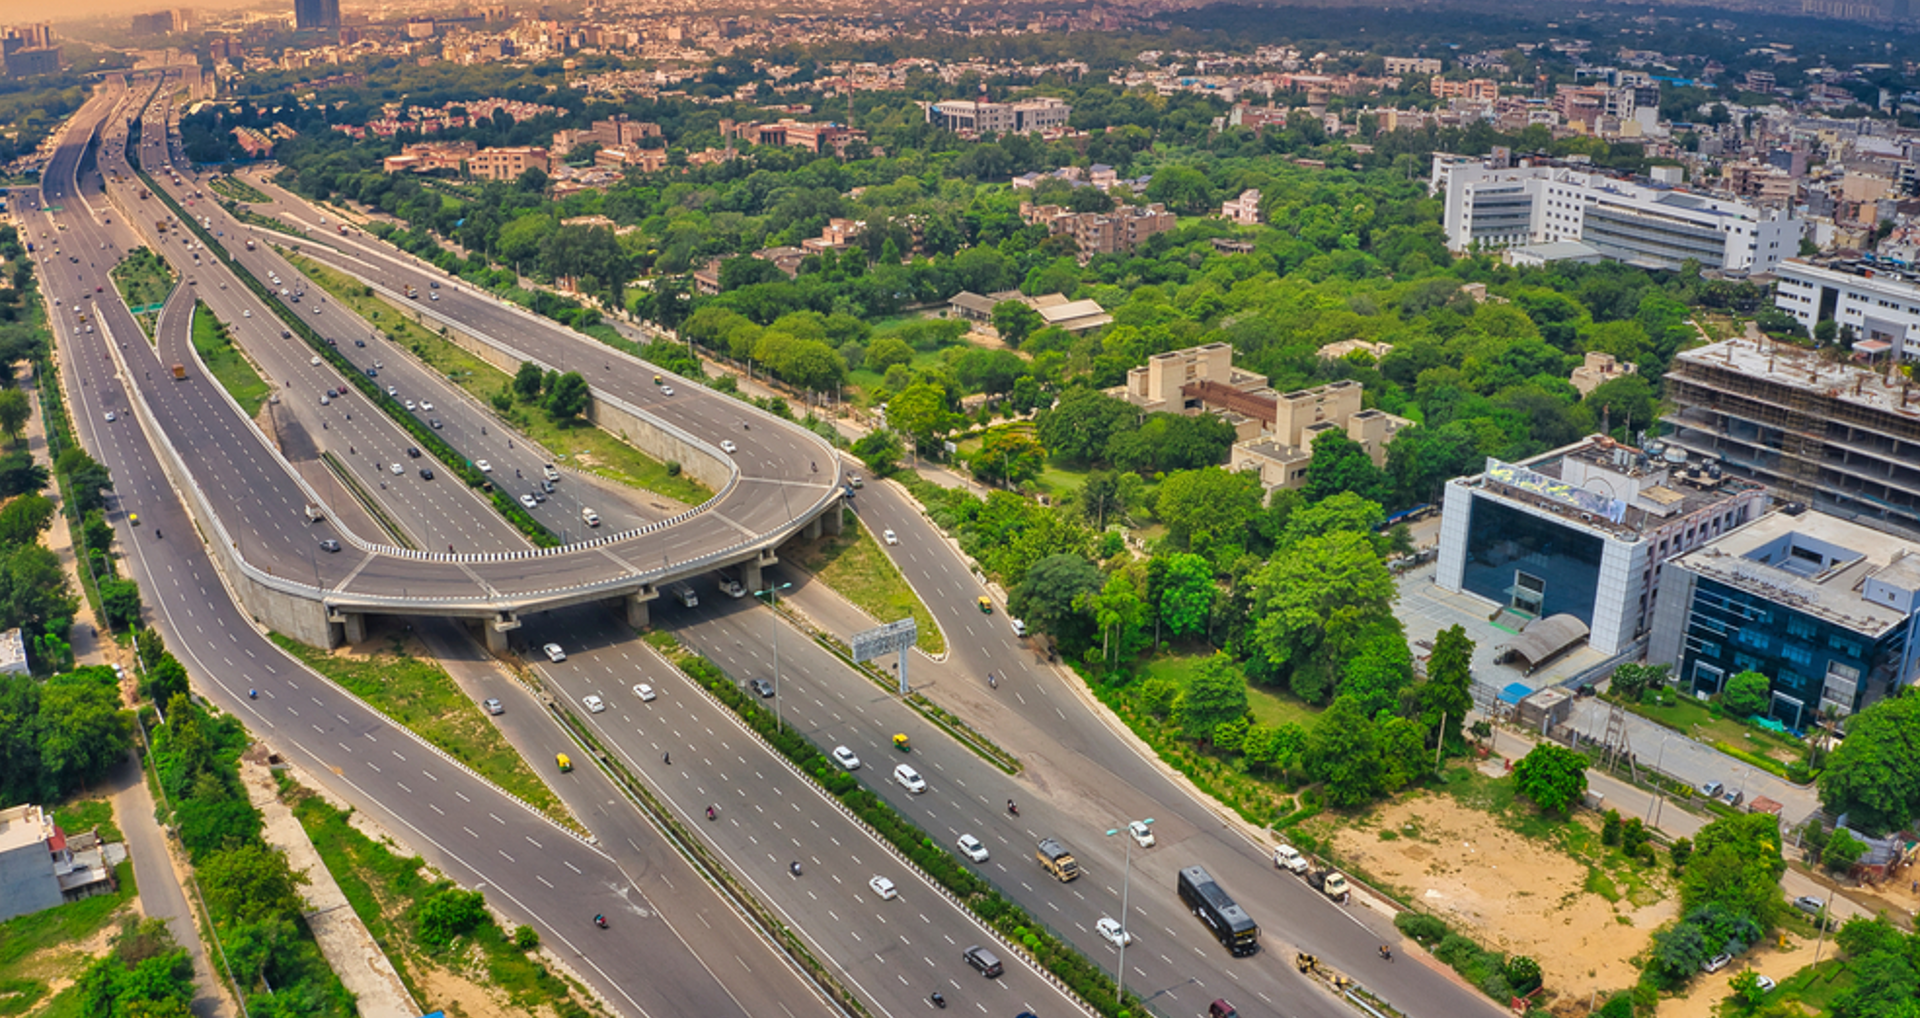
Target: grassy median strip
{"points": [[236, 189], [214, 343], [419, 694], [591, 448], [853, 564], [144, 279]]}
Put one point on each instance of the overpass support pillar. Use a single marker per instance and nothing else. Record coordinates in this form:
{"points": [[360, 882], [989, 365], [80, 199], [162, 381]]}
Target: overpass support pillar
{"points": [[752, 571], [353, 628], [812, 530], [833, 521], [639, 615], [497, 629]]}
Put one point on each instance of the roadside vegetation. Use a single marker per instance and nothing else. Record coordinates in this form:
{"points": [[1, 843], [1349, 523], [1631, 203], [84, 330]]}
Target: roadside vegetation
{"points": [[418, 694], [235, 189], [41, 949], [144, 279], [568, 437], [213, 341], [858, 569]]}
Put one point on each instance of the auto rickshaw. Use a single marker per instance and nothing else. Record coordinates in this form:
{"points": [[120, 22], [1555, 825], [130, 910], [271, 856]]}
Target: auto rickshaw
{"points": [[986, 604], [900, 743], [133, 519], [565, 762]]}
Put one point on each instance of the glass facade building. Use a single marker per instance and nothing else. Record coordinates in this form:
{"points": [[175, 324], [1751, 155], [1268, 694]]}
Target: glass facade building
{"points": [[1810, 660], [1541, 564]]}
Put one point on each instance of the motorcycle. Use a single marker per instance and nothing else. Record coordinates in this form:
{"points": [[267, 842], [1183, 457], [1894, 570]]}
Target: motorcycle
{"points": [[938, 1000], [253, 694], [795, 867], [600, 921], [710, 813], [1011, 808]]}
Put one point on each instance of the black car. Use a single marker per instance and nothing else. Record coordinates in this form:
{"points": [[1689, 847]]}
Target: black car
{"points": [[426, 473], [763, 687], [329, 545], [359, 342], [413, 452]]}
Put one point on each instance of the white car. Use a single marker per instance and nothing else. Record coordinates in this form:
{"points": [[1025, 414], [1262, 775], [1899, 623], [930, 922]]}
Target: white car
{"points": [[1287, 857], [884, 888], [971, 847], [594, 704], [644, 692], [1112, 932], [554, 653], [111, 417], [846, 758], [1142, 834], [666, 390], [728, 447], [909, 779], [398, 470], [426, 405], [314, 360], [391, 391], [410, 405], [1764, 984], [527, 500], [483, 466], [890, 537], [246, 312]]}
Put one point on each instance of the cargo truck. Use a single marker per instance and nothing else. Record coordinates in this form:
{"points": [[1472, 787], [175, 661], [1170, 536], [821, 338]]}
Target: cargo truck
{"points": [[1055, 859], [1331, 884]]}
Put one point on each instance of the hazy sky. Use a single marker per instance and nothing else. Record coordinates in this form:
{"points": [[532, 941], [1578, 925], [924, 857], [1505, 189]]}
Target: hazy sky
{"points": [[16, 11]]}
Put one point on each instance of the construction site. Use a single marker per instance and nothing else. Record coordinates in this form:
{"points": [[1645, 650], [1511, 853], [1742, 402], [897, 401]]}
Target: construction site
{"points": [[1842, 435]]}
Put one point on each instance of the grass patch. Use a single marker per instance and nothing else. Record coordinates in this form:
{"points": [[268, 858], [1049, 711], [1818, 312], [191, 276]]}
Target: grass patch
{"points": [[213, 342], [83, 815], [386, 889], [1689, 716], [590, 448], [40, 947], [853, 563], [236, 189], [144, 279], [419, 694]]}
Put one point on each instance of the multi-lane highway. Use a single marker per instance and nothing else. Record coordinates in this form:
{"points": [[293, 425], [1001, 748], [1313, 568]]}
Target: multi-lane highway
{"points": [[663, 912]]}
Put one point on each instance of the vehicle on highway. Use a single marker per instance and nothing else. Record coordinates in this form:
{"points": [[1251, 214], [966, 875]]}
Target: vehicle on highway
{"points": [[1019, 628], [410, 405], [846, 758], [983, 960], [398, 469], [594, 704], [413, 452], [434, 423], [554, 653], [1287, 857], [527, 500], [391, 391], [492, 705], [426, 406], [589, 517], [547, 471], [111, 417], [314, 360], [1142, 833], [1112, 932], [762, 687], [329, 545], [972, 848], [326, 399], [359, 342], [1229, 923], [889, 536], [909, 779], [985, 604], [565, 762], [884, 888], [426, 473], [1221, 1009], [483, 466], [644, 692], [727, 446], [666, 390]]}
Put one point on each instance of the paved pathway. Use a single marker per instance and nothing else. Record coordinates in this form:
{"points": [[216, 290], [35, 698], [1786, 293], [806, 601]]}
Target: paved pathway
{"points": [[159, 879]]}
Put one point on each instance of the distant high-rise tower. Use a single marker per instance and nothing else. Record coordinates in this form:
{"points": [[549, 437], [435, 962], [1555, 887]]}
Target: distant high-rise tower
{"points": [[316, 14]]}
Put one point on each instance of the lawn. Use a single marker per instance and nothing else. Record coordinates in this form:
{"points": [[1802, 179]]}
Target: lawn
{"points": [[853, 564], [234, 373], [1688, 716], [144, 279], [1270, 707], [590, 448], [39, 947], [83, 815], [420, 695]]}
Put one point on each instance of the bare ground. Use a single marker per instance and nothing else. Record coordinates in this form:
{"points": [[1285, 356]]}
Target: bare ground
{"points": [[1507, 891]]}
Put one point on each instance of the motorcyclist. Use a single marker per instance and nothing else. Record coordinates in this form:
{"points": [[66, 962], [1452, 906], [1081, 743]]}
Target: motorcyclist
{"points": [[709, 812], [253, 694], [795, 867], [600, 921], [938, 1000], [1011, 808]]}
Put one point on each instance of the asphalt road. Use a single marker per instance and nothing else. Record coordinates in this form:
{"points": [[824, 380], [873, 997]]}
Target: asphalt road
{"points": [[532, 870]]}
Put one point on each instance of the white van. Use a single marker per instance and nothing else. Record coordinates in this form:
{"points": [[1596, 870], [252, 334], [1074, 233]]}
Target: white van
{"points": [[590, 518], [909, 779]]}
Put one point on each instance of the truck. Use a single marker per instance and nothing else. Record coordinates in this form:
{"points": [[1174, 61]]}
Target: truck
{"points": [[731, 587], [412, 293], [343, 229], [685, 595], [1056, 859], [1331, 884], [314, 513], [179, 372], [1287, 857], [249, 245]]}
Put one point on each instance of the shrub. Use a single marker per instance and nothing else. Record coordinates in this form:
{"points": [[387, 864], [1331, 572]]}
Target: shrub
{"points": [[1456, 951], [1524, 973], [673, 468], [1610, 828], [1425, 929], [1620, 1005], [526, 938], [450, 913]]}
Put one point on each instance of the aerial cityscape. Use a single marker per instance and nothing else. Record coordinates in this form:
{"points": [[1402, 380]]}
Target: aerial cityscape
{"points": [[651, 509]]}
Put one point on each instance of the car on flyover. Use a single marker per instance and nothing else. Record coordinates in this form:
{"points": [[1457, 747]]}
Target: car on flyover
{"points": [[554, 653]]}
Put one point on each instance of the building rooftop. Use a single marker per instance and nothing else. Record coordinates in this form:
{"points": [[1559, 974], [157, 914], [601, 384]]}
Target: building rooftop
{"points": [[1802, 369], [1613, 487], [22, 826], [1817, 563]]}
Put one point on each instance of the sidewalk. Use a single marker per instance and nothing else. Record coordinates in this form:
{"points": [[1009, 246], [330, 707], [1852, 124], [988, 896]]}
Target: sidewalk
{"points": [[350, 950]]}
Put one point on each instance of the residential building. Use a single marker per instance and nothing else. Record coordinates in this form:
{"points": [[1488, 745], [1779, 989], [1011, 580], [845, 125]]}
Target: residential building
{"points": [[793, 134], [1841, 437], [837, 235], [316, 14], [1598, 369], [42, 866], [1245, 209], [13, 653], [1483, 89], [1648, 226], [1827, 609], [436, 155], [647, 160], [1096, 233], [1413, 65], [1584, 531], [973, 307], [1074, 316], [506, 163], [967, 117]]}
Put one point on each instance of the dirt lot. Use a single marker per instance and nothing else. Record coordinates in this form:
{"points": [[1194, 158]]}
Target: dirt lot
{"points": [[1518, 894]]}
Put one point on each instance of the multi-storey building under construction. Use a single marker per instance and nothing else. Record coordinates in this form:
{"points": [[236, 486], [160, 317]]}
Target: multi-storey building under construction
{"points": [[1838, 435]]}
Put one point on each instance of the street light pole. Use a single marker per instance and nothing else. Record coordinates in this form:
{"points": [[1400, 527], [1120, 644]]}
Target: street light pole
{"points": [[773, 595], [1658, 789], [1126, 886]]}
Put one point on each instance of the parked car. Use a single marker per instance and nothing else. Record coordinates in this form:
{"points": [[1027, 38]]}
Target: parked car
{"points": [[1809, 904], [1712, 789], [1717, 962]]}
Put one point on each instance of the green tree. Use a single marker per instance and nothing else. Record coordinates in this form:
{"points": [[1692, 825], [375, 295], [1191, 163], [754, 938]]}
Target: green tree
{"points": [[1078, 426], [1216, 693], [1554, 777], [1843, 850], [89, 479], [568, 397], [1340, 464], [880, 450], [1100, 498], [1747, 693], [449, 913], [1120, 611], [1185, 595], [251, 882], [528, 380], [1010, 455], [1210, 511], [1874, 776], [1313, 606], [1049, 598], [23, 518], [15, 408], [120, 600], [1182, 189], [1343, 753], [920, 411], [1447, 695], [887, 351], [1631, 681], [1736, 866], [1014, 320]]}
